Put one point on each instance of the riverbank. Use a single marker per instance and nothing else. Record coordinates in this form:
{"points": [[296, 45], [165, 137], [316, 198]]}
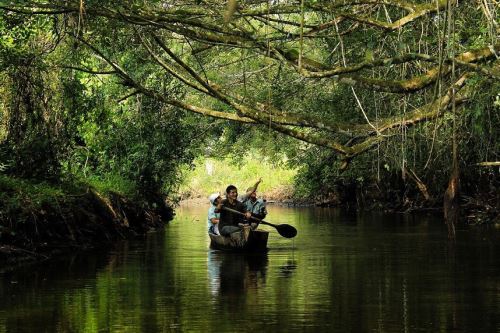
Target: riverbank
{"points": [[38, 221], [478, 208]]}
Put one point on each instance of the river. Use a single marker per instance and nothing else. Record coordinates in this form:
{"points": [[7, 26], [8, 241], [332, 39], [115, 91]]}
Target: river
{"points": [[344, 272]]}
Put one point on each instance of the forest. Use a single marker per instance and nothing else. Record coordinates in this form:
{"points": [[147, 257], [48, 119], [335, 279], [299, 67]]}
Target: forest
{"points": [[387, 104]]}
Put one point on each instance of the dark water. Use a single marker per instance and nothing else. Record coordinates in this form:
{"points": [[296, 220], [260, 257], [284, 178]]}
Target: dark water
{"points": [[343, 273]]}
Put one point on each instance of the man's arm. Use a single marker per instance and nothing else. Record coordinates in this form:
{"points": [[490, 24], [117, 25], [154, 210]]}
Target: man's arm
{"points": [[250, 190], [254, 187], [243, 209], [212, 216]]}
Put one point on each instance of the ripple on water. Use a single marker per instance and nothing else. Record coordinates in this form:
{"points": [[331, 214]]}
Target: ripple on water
{"points": [[343, 272]]}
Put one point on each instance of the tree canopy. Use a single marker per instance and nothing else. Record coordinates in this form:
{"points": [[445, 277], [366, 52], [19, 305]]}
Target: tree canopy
{"points": [[349, 76], [235, 58]]}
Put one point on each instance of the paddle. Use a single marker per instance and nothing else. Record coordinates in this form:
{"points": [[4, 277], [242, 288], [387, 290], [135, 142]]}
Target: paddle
{"points": [[284, 230]]}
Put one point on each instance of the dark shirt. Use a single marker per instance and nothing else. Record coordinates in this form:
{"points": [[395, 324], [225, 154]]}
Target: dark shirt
{"points": [[229, 218]]}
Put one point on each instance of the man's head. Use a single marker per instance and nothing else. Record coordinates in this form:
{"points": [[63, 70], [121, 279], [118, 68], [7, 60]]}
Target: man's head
{"points": [[253, 193], [214, 198], [231, 192]]}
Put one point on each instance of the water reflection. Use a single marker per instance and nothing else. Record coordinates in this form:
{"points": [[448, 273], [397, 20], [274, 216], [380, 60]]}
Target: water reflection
{"points": [[54, 312], [288, 268], [343, 273], [236, 273]]}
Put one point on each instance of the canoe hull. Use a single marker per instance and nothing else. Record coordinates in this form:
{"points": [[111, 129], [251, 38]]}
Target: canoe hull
{"points": [[246, 240]]}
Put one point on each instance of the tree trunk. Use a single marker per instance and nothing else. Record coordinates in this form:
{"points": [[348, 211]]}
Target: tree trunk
{"points": [[451, 205]]}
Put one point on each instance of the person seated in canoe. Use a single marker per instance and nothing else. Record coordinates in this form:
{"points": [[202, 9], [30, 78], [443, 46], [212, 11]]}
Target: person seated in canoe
{"points": [[256, 206], [213, 216], [230, 222]]}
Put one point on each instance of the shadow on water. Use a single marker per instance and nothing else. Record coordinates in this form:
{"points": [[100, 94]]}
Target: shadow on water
{"points": [[76, 267], [236, 273]]}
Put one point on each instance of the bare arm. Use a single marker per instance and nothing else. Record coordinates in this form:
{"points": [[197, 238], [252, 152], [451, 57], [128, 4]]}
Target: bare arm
{"points": [[250, 190], [254, 187]]}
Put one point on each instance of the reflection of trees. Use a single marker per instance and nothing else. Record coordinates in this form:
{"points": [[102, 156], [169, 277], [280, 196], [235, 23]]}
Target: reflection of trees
{"points": [[27, 313], [95, 291], [377, 276]]}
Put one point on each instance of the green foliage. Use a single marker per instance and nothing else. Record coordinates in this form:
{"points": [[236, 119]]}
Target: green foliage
{"points": [[214, 175], [134, 146], [58, 122], [19, 194], [318, 173], [33, 145], [142, 141], [107, 183], [18, 34]]}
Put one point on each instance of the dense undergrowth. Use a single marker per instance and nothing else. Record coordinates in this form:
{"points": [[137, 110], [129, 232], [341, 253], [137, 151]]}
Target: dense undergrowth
{"points": [[40, 219]]}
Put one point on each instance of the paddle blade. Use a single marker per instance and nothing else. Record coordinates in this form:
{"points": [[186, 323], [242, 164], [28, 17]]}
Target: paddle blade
{"points": [[286, 230]]}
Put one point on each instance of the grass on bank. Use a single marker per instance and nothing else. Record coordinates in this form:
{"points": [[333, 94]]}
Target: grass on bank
{"points": [[23, 194], [211, 175], [16, 193], [111, 183]]}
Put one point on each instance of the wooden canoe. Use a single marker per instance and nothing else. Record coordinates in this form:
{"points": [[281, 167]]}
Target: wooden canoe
{"points": [[246, 240]]}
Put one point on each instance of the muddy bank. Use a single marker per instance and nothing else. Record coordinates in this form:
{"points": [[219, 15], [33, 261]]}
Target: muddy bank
{"points": [[73, 222], [475, 207]]}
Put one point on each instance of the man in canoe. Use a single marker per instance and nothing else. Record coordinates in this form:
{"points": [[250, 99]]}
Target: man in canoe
{"points": [[229, 222], [256, 206]]}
